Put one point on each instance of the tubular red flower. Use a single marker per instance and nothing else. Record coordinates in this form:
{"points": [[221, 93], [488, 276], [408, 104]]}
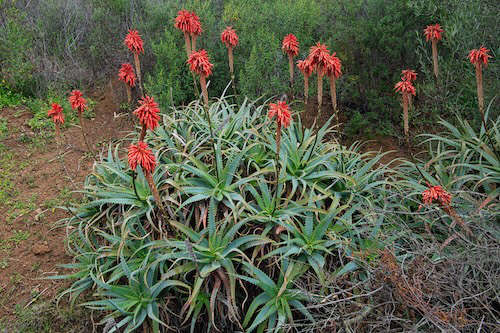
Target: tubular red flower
{"points": [[333, 66], [127, 75], [282, 113], [199, 63], [141, 155], [478, 56], [147, 112], [194, 24], [77, 101], [290, 45], [56, 113], [229, 37], [183, 21], [134, 42], [405, 87], [318, 55], [433, 32], [408, 75], [436, 193], [305, 67]]}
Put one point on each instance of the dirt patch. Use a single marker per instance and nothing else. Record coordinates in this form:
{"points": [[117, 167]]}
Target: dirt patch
{"points": [[38, 178]]}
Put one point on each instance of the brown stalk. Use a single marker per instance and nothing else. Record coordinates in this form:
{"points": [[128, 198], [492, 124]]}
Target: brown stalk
{"points": [[290, 68], [58, 133], [306, 88], [187, 42], [193, 42], [154, 190], [405, 118], [203, 83], [435, 57], [129, 94], [231, 67], [333, 95], [82, 126], [320, 88], [143, 132], [480, 93], [138, 70]]}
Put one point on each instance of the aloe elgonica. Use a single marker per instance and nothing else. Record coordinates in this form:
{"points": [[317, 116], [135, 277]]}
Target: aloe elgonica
{"points": [[195, 30], [56, 112], [230, 39], [135, 44], [405, 88], [200, 64], [319, 57], [409, 75], [334, 71], [127, 75], [140, 155], [148, 114], [183, 23], [79, 104], [281, 111], [433, 33], [479, 58], [306, 68], [290, 46]]}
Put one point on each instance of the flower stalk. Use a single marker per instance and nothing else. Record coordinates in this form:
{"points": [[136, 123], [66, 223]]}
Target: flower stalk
{"points": [[433, 33], [479, 58], [405, 88], [79, 104], [307, 69], [230, 39], [290, 46], [135, 44]]}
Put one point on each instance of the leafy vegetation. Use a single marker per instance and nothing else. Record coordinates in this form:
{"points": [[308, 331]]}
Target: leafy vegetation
{"points": [[230, 253]]}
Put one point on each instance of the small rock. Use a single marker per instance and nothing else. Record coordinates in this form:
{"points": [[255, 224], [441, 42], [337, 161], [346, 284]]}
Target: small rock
{"points": [[40, 248]]}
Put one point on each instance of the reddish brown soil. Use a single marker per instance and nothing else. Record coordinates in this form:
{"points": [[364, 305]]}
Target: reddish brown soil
{"points": [[49, 170]]}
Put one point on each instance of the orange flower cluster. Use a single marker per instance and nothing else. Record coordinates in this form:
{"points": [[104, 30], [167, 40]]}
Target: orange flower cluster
{"points": [[478, 56], [189, 22], [333, 66], [405, 87], [134, 42], [140, 154], [436, 193], [147, 112], [127, 75], [229, 37], [408, 75], [77, 101], [56, 113], [305, 67], [319, 56], [290, 45], [200, 64], [282, 113], [433, 32]]}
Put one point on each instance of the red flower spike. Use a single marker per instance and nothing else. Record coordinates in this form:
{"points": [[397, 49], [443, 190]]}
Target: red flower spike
{"points": [[183, 21], [433, 32], [305, 67], [56, 113], [408, 75], [140, 154], [229, 37], [194, 24], [77, 101], [318, 55], [134, 42], [127, 75], [436, 193], [333, 66], [282, 113], [147, 112], [290, 45], [200, 64], [405, 87], [478, 56]]}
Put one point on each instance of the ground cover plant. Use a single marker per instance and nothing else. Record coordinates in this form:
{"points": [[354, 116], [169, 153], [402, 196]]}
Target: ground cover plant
{"points": [[232, 214]]}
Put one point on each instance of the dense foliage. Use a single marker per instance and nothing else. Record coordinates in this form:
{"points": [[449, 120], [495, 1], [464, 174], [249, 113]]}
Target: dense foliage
{"points": [[74, 41], [233, 251]]}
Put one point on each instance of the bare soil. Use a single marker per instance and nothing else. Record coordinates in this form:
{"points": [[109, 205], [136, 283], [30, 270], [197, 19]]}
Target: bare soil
{"points": [[43, 177]]}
